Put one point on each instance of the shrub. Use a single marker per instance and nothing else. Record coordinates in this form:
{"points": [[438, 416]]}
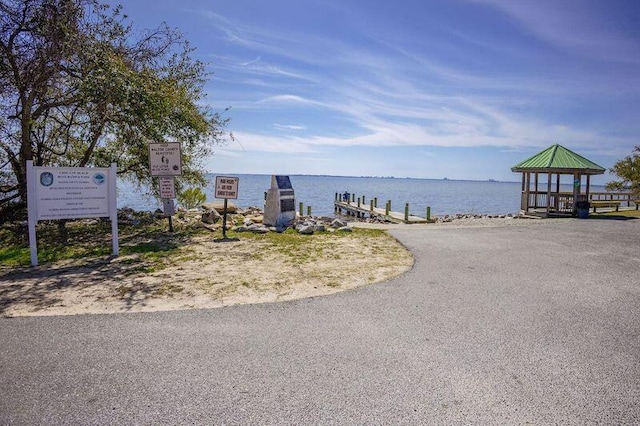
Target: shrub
{"points": [[191, 198]]}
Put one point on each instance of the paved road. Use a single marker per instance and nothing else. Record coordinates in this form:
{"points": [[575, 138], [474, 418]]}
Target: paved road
{"points": [[522, 324]]}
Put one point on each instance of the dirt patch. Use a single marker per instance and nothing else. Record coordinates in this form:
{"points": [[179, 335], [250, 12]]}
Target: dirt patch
{"points": [[205, 274]]}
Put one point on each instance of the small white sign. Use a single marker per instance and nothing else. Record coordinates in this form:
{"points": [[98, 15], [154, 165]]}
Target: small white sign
{"points": [[168, 207], [226, 187], [167, 188], [165, 159]]}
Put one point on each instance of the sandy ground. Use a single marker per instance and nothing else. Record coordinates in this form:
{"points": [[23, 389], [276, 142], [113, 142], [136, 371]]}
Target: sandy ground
{"points": [[204, 274]]}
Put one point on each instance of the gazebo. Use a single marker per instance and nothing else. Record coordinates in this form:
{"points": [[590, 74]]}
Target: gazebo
{"points": [[554, 161]]}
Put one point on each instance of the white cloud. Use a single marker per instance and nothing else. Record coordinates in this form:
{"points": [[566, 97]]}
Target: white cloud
{"points": [[396, 96], [289, 127]]}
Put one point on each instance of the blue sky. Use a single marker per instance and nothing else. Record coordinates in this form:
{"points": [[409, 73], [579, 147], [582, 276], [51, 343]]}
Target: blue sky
{"points": [[462, 89]]}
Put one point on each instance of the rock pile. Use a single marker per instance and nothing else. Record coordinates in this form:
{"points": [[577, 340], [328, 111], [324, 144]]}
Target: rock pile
{"points": [[460, 216], [250, 219], [306, 225]]}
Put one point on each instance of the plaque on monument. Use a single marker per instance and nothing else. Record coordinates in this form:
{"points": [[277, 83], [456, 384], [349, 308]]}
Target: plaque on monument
{"points": [[280, 207]]}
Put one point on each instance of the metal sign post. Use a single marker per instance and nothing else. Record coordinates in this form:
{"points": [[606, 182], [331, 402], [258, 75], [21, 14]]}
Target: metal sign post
{"points": [[226, 187]]}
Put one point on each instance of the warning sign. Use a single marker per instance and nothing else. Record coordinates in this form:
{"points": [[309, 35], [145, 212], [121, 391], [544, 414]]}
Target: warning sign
{"points": [[226, 187], [167, 187]]}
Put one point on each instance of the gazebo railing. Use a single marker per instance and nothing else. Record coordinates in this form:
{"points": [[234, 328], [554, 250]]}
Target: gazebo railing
{"points": [[563, 201], [624, 197]]}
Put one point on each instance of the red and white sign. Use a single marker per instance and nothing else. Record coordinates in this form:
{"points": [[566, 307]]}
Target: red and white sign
{"points": [[226, 187], [167, 188]]}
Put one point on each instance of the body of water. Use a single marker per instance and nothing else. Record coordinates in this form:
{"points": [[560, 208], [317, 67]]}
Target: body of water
{"points": [[443, 196]]}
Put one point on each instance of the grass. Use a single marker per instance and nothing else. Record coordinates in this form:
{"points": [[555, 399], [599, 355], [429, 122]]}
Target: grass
{"points": [[301, 249], [148, 247], [82, 240]]}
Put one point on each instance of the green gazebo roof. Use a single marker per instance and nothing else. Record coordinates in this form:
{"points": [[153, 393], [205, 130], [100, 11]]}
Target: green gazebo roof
{"points": [[558, 159]]}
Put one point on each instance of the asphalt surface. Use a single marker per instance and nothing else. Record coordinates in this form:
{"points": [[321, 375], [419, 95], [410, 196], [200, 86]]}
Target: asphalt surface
{"points": [[534, 324]]}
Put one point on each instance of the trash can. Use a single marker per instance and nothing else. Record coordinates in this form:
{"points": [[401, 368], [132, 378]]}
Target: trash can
{"points": [[582, 209]]}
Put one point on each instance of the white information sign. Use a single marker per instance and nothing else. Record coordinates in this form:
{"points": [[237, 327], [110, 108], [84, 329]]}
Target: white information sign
{"points": [[167, 188], [70, 193], [226, 187], [165, 159]]}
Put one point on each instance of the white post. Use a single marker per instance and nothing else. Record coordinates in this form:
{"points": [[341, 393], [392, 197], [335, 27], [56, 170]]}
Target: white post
{"points": [[32, 212], [113, 206]]}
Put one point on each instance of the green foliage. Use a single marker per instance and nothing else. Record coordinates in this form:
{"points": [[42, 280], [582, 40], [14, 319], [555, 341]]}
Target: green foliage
{"points": [[628, 170], [79, 87], [191, 198]]}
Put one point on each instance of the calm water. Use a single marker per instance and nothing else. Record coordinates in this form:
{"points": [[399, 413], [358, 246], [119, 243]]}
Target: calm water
{"points": [[443, 196]]}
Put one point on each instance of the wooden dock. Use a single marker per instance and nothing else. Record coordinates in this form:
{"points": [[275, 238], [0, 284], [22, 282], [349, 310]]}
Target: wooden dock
{"points": [[360, 209]]}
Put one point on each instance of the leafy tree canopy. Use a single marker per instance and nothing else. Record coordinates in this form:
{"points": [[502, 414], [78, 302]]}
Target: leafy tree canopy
{"points": [[77, 88], [628, 172]]}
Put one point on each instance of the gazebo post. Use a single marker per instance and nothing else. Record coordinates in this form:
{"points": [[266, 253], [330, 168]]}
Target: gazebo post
{"points": [[588, 186], [523, 204], [576, 190], [549, 193], [528, 190], [535, 184], [557, 191]]}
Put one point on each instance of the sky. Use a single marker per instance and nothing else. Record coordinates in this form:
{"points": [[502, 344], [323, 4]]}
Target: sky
{"points": [[462, 89]]}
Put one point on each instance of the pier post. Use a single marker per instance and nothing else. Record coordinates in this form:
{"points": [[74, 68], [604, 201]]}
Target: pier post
{"points": [[363, 202], [308, 210], [301, 209], [387, 208], [353, 198], [358, 202], [428, 214], [336, 197], [371, 206], [375, 202], [406, 212]]}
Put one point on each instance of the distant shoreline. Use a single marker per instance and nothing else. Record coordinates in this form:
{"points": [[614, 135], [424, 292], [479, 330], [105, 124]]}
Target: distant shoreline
{"points": [[364, 177]]}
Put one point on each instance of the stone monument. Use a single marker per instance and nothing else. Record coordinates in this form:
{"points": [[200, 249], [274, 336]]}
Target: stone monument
{"points": [[279, 209]]}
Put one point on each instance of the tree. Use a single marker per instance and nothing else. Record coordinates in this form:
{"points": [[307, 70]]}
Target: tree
{"points": [[76, 89], [628, 170]]}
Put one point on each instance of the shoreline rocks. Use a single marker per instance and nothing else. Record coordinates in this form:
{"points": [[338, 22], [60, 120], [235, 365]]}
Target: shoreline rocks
{"points": [[251, 218]]}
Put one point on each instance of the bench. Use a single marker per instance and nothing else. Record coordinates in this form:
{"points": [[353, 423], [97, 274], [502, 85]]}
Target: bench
{"points": [[606, 203]]}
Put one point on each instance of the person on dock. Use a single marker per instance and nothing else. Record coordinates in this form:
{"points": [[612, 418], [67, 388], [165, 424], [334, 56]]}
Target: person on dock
{"points": [[346, 197]]}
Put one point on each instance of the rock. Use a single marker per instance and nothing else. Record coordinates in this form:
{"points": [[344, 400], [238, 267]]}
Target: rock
{"points": [[319, 227], [305, 229], [211, 216], [258, 229], [345, 229], [219, 207], [337, 223], [256, 218]]}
